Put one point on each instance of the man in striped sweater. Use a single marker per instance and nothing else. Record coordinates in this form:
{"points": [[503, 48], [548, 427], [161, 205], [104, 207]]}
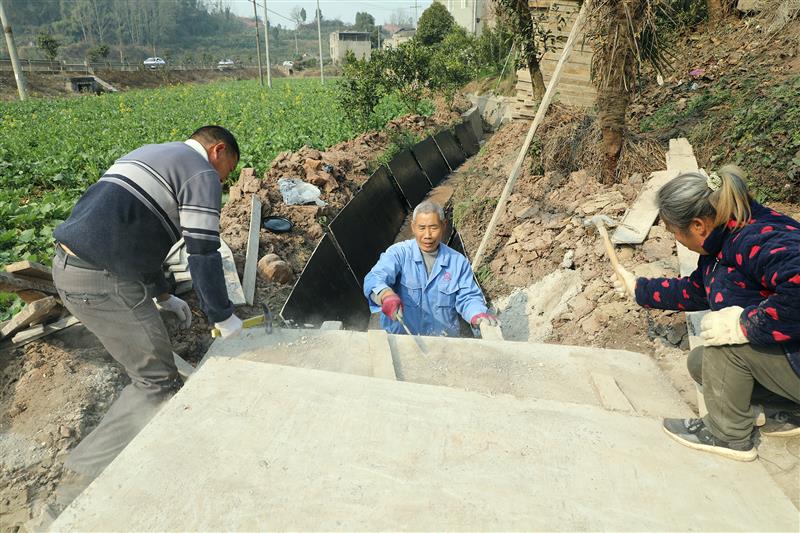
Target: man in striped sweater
{"points": [[107, 270]]}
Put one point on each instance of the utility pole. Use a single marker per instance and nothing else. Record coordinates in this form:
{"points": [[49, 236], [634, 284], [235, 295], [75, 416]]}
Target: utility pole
{"points": [[416, 16], [319, 38], [475, 18], [12, 52], [266, 43], [258, 46]]}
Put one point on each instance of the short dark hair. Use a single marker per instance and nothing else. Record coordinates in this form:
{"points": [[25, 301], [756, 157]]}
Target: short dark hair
{"points": [[215, 134]]}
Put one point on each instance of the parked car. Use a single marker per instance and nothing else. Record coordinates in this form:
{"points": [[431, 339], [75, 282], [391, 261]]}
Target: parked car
{"points": [[154, 63], [288, 64], [225, 64]]}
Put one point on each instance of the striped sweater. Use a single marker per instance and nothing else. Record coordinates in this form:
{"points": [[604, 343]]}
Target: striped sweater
{"points": [[143, 204]]}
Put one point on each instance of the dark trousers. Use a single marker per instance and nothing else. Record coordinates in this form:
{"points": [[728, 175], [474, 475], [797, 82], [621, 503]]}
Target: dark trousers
{"points": [[736, 379], [122, 315]]}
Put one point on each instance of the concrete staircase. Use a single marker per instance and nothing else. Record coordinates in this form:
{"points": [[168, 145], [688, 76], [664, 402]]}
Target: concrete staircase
{"points": [[342, 430]]}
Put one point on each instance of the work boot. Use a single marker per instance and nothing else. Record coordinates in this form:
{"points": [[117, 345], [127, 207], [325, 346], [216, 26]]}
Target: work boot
{"points": [[781, 424], [693, 433]]}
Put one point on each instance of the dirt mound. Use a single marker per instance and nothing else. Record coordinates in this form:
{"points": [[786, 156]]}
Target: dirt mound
{"points": [[53, 393]]}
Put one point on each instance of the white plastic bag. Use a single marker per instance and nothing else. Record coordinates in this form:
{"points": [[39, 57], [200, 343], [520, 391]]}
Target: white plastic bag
{"points": [[298, 192]]}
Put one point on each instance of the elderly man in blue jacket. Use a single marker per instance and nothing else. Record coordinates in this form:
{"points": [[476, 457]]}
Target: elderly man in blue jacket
{"points": [[424, 282]]}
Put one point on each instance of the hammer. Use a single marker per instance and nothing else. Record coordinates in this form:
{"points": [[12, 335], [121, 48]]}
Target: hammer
{"points": [[600, 222], [265, 318]]}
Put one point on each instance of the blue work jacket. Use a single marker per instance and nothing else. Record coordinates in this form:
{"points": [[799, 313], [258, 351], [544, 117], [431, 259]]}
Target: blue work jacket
{"points": [[431, 304]]}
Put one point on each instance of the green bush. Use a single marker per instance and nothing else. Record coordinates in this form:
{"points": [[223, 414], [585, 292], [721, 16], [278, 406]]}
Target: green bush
{"points": [[434, 24]]}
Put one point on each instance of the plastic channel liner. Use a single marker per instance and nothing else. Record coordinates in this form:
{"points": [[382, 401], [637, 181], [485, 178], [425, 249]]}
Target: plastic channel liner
{"points": [[450, 149], [327, 290], [431, 160], [368, 224], [409, 177], [467, 140]]}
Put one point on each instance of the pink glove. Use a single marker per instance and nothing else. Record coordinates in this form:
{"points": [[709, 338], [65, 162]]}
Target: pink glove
{"points": [[392, 306], [481, 317]]}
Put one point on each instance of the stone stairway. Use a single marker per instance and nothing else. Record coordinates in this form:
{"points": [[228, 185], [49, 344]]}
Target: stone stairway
{"points": [[343, 430]]}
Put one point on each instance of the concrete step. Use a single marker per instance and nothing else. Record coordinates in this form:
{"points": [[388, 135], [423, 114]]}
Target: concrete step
{"points": [[253, 446], [613, 379]]}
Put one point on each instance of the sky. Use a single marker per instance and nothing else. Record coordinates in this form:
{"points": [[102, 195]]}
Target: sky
{"points": [[331, 9]]}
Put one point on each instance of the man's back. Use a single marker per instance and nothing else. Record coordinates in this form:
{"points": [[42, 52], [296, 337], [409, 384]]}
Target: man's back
{"points": [[128, 220]]}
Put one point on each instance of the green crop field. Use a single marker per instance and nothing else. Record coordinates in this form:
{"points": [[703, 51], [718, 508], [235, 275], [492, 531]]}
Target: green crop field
{"points": [[52, 150]]}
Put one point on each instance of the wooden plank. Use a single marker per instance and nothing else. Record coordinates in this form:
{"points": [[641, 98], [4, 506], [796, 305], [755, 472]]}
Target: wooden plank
{"points": [[680, 156], [640, 217], [232, 283], [184, 368], [251, 257], [610, 395], [381, 355], [29, 315], [42, 330], [14, 283], [30, 269]]}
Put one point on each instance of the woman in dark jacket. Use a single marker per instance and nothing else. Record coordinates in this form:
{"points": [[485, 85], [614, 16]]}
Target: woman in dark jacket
{"points": [[748, 275]]}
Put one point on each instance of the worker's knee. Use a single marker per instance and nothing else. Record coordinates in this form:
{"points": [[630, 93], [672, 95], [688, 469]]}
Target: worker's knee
{"points": [[694, 363]]}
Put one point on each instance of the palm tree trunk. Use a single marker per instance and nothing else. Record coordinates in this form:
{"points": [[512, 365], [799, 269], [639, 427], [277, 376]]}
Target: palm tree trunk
{"points": [[614, 94]]}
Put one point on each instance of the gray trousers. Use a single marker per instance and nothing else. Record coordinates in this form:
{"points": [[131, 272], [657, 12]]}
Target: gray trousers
{"points": [[124, 318], [737, 378]]}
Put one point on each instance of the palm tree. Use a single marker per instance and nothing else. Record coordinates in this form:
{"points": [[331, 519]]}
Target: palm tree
{"points": [[623, 33]]}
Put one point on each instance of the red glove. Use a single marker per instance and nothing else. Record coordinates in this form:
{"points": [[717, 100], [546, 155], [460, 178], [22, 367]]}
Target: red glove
{"points": [[480, 317], [392, 306]]}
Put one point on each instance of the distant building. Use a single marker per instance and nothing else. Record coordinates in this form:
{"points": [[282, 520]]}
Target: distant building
{"points": [[398, 37], [356, 41], [472, 15]]}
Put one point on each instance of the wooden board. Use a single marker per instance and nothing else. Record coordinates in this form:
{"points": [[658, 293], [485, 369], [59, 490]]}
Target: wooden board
{"points": [[42, 330], [30, 269], [680, 156], [29, 315], [232, 283], [251, 258], [640, 217], [14, 283]]}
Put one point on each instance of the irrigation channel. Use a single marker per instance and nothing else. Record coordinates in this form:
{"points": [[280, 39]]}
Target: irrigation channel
{"points": [[329, 288]]}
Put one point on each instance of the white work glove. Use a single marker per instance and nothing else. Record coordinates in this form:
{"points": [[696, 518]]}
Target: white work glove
{"points": [[230, 327], [624, 282], [173, 304], [722, 327]]}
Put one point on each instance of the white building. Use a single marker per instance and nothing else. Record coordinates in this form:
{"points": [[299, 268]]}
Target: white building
{"points": [[472, 15], [400, 36], [356, 41]]}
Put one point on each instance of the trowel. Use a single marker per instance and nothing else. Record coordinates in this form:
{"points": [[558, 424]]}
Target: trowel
{"points": [[417, 339]]}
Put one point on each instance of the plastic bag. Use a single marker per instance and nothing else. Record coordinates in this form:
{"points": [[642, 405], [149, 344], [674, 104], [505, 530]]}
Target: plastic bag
{"points": [[298, 192]]}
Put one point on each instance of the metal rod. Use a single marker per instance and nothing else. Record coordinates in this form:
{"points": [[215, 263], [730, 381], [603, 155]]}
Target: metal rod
{"points": [[266, 43], [319, 38], [258, 46], [12, 52]]}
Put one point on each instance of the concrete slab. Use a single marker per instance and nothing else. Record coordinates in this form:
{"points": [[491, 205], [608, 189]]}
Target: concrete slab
{"points": [[350, 352], [542, 371], [491, 367], [248, 446]]}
